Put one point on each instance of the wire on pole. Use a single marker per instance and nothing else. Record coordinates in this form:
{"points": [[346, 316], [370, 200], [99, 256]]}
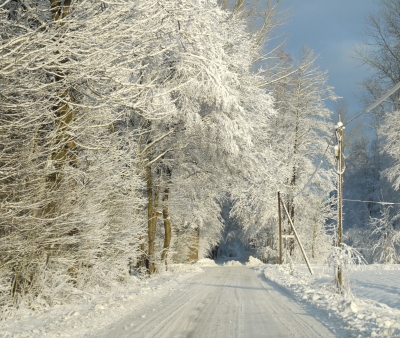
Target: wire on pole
{"points": [[375, 202], [377, 102]]}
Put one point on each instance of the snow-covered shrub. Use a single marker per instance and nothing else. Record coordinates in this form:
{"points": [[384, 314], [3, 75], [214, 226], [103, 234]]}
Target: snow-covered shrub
{"points": [[343, 260]]}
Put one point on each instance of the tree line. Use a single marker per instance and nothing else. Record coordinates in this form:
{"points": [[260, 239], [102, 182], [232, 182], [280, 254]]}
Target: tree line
{"points": [[124, 128], [373, 145]]}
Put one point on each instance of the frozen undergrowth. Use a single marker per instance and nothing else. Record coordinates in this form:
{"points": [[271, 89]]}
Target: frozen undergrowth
{"points": [[363, 316], [99, 310]]}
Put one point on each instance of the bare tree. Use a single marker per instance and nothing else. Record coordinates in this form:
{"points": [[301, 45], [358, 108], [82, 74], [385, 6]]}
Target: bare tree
{"points": [[381, 54]]}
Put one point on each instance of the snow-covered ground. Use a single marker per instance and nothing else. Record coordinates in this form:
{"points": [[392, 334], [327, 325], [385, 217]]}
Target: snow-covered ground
{"points": [[230, 296], [78, 320], [199, 300], [373, 308]]}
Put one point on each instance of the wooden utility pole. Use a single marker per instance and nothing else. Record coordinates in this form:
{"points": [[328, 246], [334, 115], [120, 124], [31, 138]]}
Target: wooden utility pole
{"points": [[280, 228], [340, 157]]}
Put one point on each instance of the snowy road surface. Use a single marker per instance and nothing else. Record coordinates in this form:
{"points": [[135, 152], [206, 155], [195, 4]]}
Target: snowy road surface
{"points": [[222, 302]]}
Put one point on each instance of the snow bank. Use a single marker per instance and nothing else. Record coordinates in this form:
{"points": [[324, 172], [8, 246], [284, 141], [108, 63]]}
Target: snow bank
{"points": [[254, 262], [100, 311], [232, 263], [363, 316], [184, 268], [206, 262]]}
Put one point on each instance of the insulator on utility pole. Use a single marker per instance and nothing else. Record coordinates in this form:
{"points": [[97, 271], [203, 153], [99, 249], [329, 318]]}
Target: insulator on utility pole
{"points": [[336, 151]]}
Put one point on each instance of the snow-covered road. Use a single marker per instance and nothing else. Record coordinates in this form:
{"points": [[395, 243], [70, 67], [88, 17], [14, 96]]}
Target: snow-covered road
{"points": [[228, 301]]}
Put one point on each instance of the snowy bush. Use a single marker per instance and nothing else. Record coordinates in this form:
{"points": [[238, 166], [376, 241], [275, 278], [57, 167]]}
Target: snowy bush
{"points": [[343, 260]]}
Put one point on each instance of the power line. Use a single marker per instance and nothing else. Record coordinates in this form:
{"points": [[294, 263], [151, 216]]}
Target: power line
{"points": [[377, 102], [383, 203], [383, 97], [355, 118], [316, 170], [310, 179]]}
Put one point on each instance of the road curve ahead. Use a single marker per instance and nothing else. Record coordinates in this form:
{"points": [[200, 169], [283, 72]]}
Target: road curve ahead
{"points": [[222, 302]]}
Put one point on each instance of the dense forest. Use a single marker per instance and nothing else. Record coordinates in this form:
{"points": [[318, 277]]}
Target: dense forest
{"points": [[131, 131]]}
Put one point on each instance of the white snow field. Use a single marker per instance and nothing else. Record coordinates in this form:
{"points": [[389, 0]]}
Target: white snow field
{"points": [[372, 309], [230, 300]]}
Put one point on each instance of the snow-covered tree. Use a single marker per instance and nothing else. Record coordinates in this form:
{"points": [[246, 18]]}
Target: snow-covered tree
{"points": [[389, 131], [67, 89], [299, 137], [381, 54], [125, 126], [386, 239]]}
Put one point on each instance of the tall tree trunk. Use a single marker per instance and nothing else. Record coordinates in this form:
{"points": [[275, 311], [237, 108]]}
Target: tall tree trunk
{"points": [[167, 220], [194, 247], [152, 204], [293, 182], [314, 240], [291, 208], [63, 152], [141, 262], [151, 221], [167, 228]]}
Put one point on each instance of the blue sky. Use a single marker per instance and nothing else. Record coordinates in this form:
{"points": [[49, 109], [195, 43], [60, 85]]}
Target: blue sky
{"points": [[331, 28]]}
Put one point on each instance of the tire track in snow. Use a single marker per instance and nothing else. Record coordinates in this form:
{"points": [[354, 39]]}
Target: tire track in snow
{"points": [[223, 302]]}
